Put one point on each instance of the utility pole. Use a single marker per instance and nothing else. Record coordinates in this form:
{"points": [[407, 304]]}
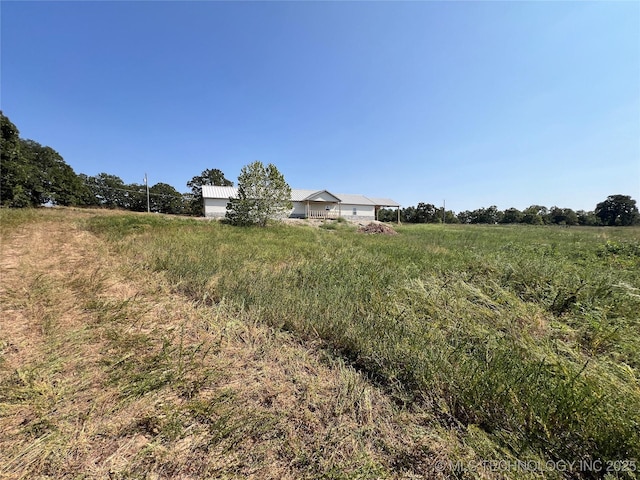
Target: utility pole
{"points": [[444, 210], [147, 185]]}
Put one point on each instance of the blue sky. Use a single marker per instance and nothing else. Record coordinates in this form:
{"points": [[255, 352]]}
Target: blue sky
{"points": [[475, 103]]}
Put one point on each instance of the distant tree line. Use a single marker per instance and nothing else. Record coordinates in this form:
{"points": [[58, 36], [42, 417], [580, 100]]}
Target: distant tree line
{"points": [[32, 175], [616, 210]]}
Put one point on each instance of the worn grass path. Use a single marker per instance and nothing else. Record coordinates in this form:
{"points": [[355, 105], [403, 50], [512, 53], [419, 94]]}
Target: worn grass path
{"points": [[105, 373]]}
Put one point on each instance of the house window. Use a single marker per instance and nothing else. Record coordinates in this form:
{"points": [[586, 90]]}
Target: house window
{"points": [[355, 212]]}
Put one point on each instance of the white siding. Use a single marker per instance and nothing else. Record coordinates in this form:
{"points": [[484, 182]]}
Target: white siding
{"points": [[323, 197], [362, 212], [215, 207], [298, 210]]}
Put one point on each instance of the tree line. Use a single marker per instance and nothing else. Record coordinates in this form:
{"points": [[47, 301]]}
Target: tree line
{"points": [[616, 210], [32, 175]]}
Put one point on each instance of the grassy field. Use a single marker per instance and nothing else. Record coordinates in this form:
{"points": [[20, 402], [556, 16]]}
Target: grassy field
{"points": [[384, 356]]}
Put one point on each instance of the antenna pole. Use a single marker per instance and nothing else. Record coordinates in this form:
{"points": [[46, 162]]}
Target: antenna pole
{"points": [[147, 185]]}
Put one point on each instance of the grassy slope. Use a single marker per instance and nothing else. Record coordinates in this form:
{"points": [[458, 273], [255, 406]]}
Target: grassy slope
{"points": [[500, 342]]}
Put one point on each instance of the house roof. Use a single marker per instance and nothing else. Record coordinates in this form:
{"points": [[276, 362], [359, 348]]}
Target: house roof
{"points": [[354, 199], [301, 195]]}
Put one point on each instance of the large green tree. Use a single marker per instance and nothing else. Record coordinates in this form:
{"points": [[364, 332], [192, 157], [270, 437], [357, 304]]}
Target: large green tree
{"points": [[535, 215], [207, 177], [50, 179], [618, 210], [422, 213], [387, 215], [562, 216], [14, 172], [512, 215], [489, 215], [136, 197], [263, 193], [108, 190], [165, 199], [32, 174], [587, 218]]}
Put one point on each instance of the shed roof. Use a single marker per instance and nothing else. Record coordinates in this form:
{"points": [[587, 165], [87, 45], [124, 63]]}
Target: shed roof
{"points": [[384, 202], [214, 191]]}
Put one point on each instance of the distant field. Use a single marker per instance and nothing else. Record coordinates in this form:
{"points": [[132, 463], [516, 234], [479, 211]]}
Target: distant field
{"points": [[522, 342]]}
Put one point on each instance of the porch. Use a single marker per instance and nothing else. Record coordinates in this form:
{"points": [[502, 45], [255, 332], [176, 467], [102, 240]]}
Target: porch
{"points": [[323, 214], [322, 210]]}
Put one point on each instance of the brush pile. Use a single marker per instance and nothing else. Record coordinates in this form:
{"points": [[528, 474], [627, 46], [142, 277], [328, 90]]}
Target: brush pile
{"points": [[377, 228]]}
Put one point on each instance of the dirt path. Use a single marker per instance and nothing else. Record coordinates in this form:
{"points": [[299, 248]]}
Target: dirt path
{"points": [[105, 373]]}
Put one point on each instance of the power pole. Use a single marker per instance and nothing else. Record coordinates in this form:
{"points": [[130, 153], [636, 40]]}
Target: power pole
{"points": [[147, 185], [444, 209]]}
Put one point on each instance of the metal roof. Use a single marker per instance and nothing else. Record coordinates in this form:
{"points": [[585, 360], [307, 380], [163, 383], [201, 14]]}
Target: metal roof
{"points": [[214, 191], [300, 195], [384, 202], [319, 195], [354, 199]]}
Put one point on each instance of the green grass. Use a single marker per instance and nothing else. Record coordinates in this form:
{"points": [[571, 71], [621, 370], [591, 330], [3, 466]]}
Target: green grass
{"points": [[526, 334]]}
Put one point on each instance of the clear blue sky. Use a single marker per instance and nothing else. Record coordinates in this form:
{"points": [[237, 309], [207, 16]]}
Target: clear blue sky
{"points": [[478, 103]]}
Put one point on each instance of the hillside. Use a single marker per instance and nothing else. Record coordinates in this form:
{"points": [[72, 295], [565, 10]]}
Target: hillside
{"points": [[147, 346]]}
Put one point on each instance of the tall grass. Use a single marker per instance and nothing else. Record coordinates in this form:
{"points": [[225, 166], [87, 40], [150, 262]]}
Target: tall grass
{"points": [[528, 333], [13, 218]]}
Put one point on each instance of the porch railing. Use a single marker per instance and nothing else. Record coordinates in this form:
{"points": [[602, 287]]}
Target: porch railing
{"points": [[322, 214]]}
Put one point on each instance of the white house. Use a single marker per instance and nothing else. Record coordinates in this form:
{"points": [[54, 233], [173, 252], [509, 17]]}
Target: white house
{"points": [[306, 204]]}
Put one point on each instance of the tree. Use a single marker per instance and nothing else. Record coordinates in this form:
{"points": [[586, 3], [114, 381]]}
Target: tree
{"points": [[135, 197], [450, 217], [587, 218], [489, 215], [50, 179], [427, 213], [562, 216], [13, 171], [165, 199], [32, 174], [263, 193], [91, 199], [66, 188], [618, 210], [109, 190], [408, 214], [465, 216], [511, 215], [207, 177], [535, 215], [387, 215]]}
